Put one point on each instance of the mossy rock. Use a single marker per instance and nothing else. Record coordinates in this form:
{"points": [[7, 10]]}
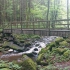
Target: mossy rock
{"points": [[67, 53], [22, 41], [5, 44], [16, 41], [64, 44], [14, 47], [60, 50], [27, 44], [59, 39], [28, 63]]}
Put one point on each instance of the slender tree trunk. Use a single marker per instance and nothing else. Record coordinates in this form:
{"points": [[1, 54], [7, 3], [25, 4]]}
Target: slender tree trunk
{"points": [[68, 12], [47, 25], [48, 9]]}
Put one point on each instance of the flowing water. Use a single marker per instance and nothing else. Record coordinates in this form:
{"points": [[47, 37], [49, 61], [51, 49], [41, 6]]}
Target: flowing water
{"points": [[34, 49]]}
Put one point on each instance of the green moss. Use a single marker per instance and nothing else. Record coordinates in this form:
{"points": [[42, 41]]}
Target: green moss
{"points": [[59, 39], [64, 44], [59, 50], [5, 44], [15, 47], [67, 53], [28, 63]]}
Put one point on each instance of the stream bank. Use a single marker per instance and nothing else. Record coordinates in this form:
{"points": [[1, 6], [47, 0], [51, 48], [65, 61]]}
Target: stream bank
{"points": [[31, 47]]}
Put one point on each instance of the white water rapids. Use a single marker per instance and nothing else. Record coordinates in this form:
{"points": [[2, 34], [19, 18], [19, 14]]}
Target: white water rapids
{"points": [[36, 47]]}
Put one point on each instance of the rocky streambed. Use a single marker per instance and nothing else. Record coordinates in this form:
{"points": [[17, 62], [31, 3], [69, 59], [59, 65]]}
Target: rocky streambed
{"points": [[31, 49], [49, 52]]}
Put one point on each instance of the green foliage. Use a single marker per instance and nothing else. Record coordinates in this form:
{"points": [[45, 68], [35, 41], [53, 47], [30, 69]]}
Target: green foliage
{"points": [[40, 58], [59, 50], [21, 36], [58, 40], [35, 37], [39, 11], [14, 66], [51, 67], [67, 53], [51, 45], [68, 40], [48, 67], [55, 52], [26, 36], [43, 50], [4, 65], [64, 44]]}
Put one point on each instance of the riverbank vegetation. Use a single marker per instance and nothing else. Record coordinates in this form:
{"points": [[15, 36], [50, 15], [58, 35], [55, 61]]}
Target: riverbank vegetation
{"points": [[53, 57]]}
